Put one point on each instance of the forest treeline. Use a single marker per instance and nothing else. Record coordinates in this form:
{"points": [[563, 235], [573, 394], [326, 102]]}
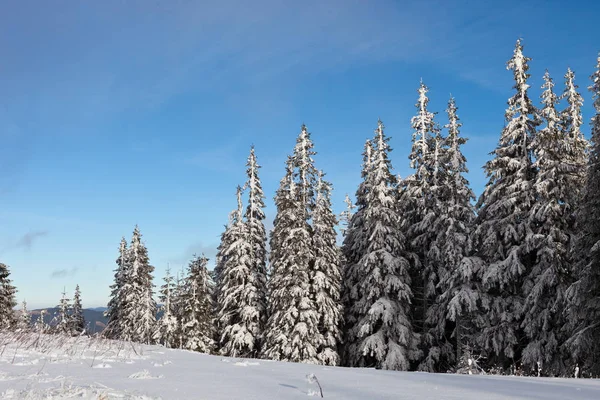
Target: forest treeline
{"points": [[428, 277]]}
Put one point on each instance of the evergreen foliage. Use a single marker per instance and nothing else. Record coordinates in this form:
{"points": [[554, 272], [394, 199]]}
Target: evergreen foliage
{"points": [[76, 320], [584, 295], [504, 232], [197, 309], [382, 335], [7, 299]]}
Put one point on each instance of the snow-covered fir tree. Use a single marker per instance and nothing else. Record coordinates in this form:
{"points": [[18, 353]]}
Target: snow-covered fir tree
{"points": [[327, 279], [167, 325], [197, 309], [114, 326], [63, 318], [178, 302], [382, 334], [583, 296], [139, 310], [257, 237], [238, 313], [76, 320], [292, 332], [447, 226], [462, 291], [416, 207], [353, 250], [425, 203], [575, 146], [7, 299], [346, 215], [24, 321], [504, 228], [552, 221]]}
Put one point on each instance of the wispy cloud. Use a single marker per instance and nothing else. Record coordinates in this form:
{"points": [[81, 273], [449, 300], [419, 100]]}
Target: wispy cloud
{"points": [[63, 273], [27, 240]]}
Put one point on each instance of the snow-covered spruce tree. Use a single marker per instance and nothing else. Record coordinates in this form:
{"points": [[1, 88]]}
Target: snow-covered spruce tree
{"points": [[292, 333], [177, 304], [220, 259], [237, 311], [114, 326], [462, 294], [166, 326], [576, 146], [553, 223], [197, 309], [7, 299], [504, 224], [24, 321], [354, 248], [346, 215], [139, 309], [447, 226], [327, 278], [422, 204], [77, 321], [63, 318], [415, 204], [583, 296], [257, 237], [382, 336]]}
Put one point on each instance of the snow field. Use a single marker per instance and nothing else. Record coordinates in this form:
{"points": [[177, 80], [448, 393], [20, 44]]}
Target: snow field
{"points": [[34, 366]]}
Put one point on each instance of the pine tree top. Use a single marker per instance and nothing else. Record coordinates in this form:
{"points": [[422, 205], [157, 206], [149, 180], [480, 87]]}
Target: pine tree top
{"points": [[572, 114], [518, 64], [549, 100], [424, 126], [595, 87]]}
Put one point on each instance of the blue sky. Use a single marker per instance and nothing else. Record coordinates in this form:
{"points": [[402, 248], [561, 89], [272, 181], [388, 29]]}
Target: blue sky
{"points": [[119, 113]]}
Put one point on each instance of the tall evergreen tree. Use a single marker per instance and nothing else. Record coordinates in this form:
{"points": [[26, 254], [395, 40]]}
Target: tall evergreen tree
{"points": [[426, 202], [114, 326], [257, 238], [551, 219], [140, 308], [445, 230], [417, 206], [237, 311], [461, 296], [178, 306], [503, 226], [166, 326], [575, 147], [584, 295], [220, 260], [63, 318], [327, 277], [292, 329], [354, 248], [346, 215], [7, 299], [382, 335], [197, 308], [77, 321]]}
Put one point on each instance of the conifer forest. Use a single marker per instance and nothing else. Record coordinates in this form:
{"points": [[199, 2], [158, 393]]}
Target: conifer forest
{"points": [[417, 274]]}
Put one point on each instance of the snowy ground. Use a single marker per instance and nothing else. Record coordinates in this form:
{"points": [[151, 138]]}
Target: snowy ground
{"points": [[36, 367]]}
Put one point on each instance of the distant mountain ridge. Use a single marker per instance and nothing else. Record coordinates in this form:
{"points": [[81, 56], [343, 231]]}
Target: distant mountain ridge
{"points": [[95, 321]]}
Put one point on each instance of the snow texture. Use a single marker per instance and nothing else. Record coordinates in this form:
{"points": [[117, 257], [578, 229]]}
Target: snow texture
{"points": [[56, 367]]}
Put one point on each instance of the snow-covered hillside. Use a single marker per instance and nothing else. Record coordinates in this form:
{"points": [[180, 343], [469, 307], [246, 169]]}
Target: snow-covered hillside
{"points": [[37, 366]]}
